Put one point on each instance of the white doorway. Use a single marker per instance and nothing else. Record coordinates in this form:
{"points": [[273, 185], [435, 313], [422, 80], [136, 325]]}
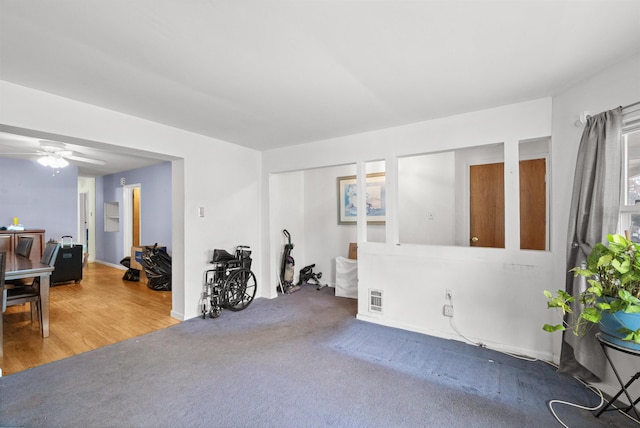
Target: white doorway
{"points": [[131, 215], [83, 219], [86, 234]]}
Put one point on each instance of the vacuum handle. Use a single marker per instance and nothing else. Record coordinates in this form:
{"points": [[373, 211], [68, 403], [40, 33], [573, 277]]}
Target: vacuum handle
{"points": [[287, 234]]}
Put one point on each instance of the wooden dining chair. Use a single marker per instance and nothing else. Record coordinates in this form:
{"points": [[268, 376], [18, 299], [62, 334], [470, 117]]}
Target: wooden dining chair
{"points": [[20, 294], [23, 248], [3, 295]]}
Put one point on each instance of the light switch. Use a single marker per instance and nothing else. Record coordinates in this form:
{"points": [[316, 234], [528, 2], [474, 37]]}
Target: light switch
{"points": [[201, 212]]}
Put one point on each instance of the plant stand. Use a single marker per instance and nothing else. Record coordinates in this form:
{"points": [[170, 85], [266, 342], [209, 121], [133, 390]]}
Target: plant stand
{"points": [[605, 344]]}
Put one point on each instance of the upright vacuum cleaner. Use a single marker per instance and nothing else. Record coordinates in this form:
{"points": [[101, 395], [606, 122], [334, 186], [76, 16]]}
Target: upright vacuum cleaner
{"points": [[287, 267]]}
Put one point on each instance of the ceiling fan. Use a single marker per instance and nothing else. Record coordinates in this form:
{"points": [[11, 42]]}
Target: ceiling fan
{"points": [[56, 155]]}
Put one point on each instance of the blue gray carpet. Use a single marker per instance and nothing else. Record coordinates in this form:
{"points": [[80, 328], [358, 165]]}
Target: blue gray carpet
{"points": [[300, 360]]}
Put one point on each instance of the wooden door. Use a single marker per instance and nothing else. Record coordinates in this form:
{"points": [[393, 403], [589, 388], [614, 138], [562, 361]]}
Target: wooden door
{"points": [[486, 205], [135, 227], [533, 204]]}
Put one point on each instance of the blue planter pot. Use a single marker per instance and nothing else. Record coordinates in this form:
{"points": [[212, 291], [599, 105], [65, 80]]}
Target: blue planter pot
{"points": [[612, 322]]}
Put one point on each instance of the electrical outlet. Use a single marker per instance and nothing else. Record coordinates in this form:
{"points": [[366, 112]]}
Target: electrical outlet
{"points": [[448, 294], [447, 310]]}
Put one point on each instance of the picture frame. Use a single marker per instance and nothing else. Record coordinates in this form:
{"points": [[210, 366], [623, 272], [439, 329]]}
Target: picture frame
{"points": [[376, 199]]}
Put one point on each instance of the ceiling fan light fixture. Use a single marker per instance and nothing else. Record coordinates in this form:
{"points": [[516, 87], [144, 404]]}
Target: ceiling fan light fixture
{"points": [[58, 162], [53, 161], [44, 161]]}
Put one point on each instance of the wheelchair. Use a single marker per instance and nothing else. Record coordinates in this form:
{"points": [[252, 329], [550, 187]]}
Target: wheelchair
{"points": [[230, 284]]}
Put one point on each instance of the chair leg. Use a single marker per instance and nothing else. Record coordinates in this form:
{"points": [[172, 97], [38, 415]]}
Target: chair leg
{"points": [[38, 306], [34, 310], [40, 317]]}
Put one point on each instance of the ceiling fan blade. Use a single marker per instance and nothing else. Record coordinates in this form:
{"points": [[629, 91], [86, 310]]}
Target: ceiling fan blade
{"points": [[86, 160]]}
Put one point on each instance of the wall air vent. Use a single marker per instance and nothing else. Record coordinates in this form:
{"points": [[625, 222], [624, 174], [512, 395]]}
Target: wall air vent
{"points": [[375, 301]]}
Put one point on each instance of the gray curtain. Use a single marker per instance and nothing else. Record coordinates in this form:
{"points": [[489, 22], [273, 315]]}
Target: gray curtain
{"points": [[594, 213]]}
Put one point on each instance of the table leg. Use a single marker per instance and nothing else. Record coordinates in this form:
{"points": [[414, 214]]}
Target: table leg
{"points": [[623, 389], [44, 302]]}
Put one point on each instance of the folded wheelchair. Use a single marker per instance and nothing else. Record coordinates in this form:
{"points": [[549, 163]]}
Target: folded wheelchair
{"points": [[230, 284]]}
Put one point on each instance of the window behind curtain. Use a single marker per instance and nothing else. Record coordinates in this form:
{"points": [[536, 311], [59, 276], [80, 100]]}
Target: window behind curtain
{"points": [[630, 209]]}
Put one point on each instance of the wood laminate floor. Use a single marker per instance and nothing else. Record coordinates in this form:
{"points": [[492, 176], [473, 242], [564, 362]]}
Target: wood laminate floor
{"points": [[100, 310]]}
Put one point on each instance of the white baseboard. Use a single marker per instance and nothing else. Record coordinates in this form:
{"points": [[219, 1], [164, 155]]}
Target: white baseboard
{"points": [[113, 265], [544, 356]]}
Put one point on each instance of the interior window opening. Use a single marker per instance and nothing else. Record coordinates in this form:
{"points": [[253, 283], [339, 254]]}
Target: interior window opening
{"points": [[452, 197], [426, 199], [534, 194]]}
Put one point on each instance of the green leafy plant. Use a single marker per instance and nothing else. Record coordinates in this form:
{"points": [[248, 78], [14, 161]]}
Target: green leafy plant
{"points": [[613, 278]]}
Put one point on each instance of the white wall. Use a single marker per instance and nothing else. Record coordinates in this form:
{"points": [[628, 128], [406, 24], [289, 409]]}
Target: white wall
{"points": [[287, 212], [221, 177]]}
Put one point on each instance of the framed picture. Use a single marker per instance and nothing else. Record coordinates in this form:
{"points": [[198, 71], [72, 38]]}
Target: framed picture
{"points": [[376, 199]]}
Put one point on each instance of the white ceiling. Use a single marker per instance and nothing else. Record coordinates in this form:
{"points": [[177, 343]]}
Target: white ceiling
{"points": [[267, 74]]}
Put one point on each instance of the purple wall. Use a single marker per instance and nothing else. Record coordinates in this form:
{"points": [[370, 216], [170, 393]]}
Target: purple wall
{"points": [[155, 209], [39, 198]]}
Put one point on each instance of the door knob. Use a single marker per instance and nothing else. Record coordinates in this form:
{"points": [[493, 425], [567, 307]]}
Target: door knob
{"points": [[474, 239]]}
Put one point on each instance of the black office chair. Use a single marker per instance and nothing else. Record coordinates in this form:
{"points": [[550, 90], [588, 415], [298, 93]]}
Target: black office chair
{"points": [[24, 246], [20, 294]]}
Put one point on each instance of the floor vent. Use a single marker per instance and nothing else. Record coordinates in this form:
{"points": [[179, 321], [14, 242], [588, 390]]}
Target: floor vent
{"points": [[375, 301]]}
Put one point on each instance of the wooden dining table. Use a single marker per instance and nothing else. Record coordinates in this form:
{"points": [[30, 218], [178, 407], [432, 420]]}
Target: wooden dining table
{"points": [[19, 267]]}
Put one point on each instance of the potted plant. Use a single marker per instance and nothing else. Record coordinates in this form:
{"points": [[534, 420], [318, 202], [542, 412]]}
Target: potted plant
{"points": [[612, 297]]}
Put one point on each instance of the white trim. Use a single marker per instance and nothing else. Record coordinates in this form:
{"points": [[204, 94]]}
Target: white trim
{"points": [[501, 347], [127, 217], [113, 265]]}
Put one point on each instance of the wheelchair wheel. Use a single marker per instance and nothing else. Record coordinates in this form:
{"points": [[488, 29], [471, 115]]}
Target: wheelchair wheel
{"points": [[239, 289]]}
